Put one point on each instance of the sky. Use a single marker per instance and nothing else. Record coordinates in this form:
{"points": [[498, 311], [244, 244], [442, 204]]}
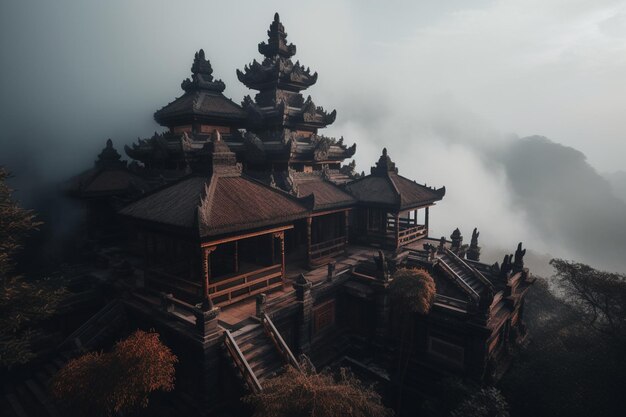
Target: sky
{"points": [[450, 88]]}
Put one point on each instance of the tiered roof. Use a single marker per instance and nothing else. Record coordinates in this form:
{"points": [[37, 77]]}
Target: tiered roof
{"points": [[220, 201], [279, 81], [203, 101], [385, 187], [110, 177]]}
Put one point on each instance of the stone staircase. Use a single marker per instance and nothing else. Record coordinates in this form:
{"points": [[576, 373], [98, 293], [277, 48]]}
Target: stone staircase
{"points": [[463, 271], [258, 352]]}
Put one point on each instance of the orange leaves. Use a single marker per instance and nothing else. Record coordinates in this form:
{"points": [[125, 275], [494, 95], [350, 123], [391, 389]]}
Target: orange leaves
{"points": [[413, 289], [102, 384], [322, 394]]}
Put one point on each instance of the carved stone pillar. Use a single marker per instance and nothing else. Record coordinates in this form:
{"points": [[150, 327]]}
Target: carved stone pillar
{"points": [[305, 316], [331, 271], [261, 301], [206, 320]]}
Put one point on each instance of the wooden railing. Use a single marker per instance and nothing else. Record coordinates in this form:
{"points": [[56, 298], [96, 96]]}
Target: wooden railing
{"points": [[235, 288], [469, 269], [280, 344], [241, 363], [327, 248], [460, 280], [410, 234]]}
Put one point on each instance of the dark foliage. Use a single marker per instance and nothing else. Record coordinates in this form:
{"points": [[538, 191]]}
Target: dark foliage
{"points": [[574, 365], [23, 302]]}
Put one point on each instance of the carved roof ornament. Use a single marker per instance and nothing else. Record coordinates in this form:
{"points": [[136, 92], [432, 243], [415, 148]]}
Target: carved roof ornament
{"points": [[518, 263], [384, 165], [109, 156], [457, 240], [442, 244], [223, 160], [277, 42], [473, 253], [506, 267], [202, 76]]}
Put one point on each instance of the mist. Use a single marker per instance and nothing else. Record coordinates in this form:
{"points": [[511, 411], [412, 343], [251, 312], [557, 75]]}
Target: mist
{"points": [[514, 106]]}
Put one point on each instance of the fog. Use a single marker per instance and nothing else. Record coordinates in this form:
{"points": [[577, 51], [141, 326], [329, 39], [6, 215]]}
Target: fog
{"points": [[457, 92]]}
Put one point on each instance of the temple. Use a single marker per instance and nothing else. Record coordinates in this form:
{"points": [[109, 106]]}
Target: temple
{"points": [[246, 238]]}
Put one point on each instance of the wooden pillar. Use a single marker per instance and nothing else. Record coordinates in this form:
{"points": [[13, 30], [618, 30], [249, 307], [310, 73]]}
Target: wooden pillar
{"points": [[281, 236], [236, 257], [415, 217], [397, 243], [426, 221], [206, 267]]}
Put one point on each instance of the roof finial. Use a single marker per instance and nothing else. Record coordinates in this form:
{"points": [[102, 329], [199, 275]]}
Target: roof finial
{"points": [[202, 75], [276, 17], [384, 165]]}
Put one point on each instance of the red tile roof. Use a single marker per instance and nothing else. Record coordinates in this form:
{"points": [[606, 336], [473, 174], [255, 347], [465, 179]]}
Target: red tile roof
{"points": [[217, 205], [326, 194]]}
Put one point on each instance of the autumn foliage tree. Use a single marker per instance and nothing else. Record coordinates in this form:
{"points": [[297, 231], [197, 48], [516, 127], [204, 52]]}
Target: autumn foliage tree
{"points": [[23, 302], [105, 384], [301, 394], [413, 292]]}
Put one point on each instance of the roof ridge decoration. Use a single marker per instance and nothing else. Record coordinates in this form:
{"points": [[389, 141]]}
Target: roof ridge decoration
{"points": [[109, 157], [203, 211], [202, 76], [223, 160], [384, 166]]}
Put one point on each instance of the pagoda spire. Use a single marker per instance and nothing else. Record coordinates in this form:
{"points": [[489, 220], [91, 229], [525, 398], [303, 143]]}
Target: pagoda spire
{"points": [[109, 156], [277, 42], [202, 76], [277, 71]]}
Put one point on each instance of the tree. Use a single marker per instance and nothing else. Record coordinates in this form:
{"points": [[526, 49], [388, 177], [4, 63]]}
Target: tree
{"points": [[103, 384], [487, 402], [574, 364], [22, 302], [302, 394], [599, 296], [413, 292]]}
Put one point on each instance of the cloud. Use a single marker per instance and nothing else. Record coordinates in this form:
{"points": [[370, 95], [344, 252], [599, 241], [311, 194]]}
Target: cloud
{"points": [[447, 86]]}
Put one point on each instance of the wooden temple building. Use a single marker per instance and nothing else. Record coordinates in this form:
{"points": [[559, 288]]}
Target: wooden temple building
{"points": [[250, 241]]}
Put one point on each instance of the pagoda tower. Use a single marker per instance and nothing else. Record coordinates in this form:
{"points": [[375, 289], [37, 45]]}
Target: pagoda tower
{"points": [[279, 113]]}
